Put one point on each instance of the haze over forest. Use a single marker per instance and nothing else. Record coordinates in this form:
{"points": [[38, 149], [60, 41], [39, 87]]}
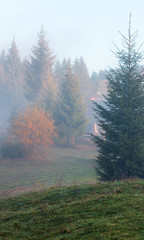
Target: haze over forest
{"points": [[16, 77], [54, 58]]}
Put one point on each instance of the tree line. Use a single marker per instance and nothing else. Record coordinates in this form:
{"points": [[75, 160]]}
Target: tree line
{"points": [[62, 89]]}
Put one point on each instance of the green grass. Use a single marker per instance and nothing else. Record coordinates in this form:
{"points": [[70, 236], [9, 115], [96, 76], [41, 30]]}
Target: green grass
{"points": [[64, 166], [100, 211]]}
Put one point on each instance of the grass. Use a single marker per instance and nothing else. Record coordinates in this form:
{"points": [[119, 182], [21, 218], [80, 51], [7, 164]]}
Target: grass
{"points": [[101, 211], [60, 166]]}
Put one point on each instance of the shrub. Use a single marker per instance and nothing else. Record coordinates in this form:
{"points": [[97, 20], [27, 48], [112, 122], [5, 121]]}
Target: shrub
{"points": [[34, 127], [13, 150]]}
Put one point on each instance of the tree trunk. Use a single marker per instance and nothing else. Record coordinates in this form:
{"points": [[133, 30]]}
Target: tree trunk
{"points": [[72, 140]]}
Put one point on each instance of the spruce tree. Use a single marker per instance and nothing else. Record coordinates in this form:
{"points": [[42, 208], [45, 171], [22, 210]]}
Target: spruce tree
{"points": [[70, 112], [82, 75], [14, 74], [40, 84], [2, 67], [121, 117], [59, 72], [11, 83]]}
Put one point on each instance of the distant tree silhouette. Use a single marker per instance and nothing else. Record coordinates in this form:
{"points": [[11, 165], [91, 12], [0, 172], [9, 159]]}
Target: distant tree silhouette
{"points": [[70, 111]]}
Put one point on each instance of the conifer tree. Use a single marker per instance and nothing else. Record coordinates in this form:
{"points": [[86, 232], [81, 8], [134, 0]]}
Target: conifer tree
{"points": [[14, 73], [2, 67], [11, 82], [121, 118], [59, 72], [70, 112], [40, 85], [82, 75]]}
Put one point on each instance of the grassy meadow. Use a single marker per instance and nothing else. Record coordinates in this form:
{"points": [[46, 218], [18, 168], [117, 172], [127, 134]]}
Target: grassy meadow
{"points": [[55, 195], [55, 167], [101, 211]]}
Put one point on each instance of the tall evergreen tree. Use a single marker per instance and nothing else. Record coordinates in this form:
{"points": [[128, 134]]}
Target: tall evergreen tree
{"points": [[11, 83], [82, 74], [59, 72], [70, 112], [40, 85], [2, 67], [14, 73], [121, 118], [5, 95]]}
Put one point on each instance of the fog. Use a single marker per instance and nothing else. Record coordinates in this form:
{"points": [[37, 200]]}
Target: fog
{"points": [[53, 61], [46, 117]]}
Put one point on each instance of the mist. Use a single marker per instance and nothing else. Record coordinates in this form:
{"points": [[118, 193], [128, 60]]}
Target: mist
{"points": [[46, 117]]}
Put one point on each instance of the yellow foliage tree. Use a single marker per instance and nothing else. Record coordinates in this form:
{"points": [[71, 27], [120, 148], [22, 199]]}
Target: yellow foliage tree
{"points": [[34, 127]]}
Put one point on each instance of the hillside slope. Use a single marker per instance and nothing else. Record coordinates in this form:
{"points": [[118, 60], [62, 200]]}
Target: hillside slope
{"points": [[102, 211]]}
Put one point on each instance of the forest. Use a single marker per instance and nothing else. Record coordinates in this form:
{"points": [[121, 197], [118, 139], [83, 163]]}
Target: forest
{"points": [[40, 83], [47, 102]]}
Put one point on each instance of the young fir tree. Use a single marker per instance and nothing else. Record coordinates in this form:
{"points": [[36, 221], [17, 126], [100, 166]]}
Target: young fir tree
{"points": [[121, 118], [40, 84], [70, 112]]}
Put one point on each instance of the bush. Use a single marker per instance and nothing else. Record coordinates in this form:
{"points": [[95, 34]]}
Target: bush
{"points": [[13, 150], [34, 127]]}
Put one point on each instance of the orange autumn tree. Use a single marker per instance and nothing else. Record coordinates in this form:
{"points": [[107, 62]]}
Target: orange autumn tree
{"points": [[34, 127]]}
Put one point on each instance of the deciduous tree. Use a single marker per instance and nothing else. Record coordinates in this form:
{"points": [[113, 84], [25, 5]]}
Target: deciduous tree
{"points": [[34, 127]]}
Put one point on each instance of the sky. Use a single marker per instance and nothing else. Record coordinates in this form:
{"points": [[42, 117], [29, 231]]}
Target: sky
{"points": [[75, 28]]}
